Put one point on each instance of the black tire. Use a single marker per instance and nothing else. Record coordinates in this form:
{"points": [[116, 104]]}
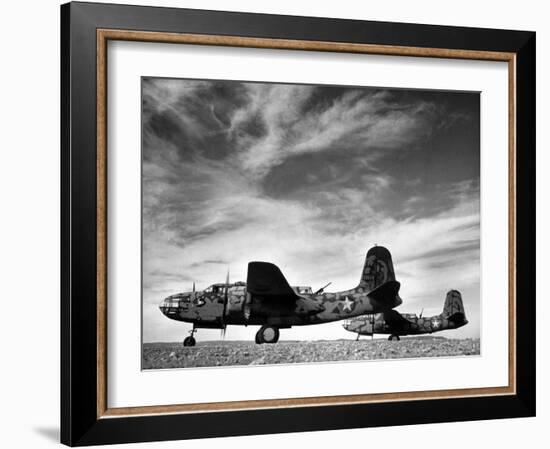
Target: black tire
{"points": [[269, 334], [394, 338], [258, 338], [189, 341]]}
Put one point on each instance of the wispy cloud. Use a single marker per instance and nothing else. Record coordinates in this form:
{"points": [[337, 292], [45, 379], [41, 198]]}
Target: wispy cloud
{"points": [[307, 177]]}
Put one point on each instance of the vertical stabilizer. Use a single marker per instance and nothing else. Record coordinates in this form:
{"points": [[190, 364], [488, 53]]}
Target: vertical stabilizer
{"points": [[453, 309], [378, 268]]}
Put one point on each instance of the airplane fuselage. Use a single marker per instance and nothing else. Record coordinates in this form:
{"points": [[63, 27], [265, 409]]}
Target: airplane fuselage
{"points": [[208, 309], [412, 325]]}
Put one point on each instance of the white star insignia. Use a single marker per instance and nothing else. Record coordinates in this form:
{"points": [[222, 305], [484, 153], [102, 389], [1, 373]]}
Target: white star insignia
{"points": [[436, 323], [347, 304]]}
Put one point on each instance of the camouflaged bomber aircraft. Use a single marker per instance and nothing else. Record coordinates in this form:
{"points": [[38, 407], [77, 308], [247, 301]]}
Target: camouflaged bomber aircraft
{"points": [[396, 324], [266, 299]]}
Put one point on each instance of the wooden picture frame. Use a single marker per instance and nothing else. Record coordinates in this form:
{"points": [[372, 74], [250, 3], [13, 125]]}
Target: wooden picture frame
{"points": [[85, 416]]}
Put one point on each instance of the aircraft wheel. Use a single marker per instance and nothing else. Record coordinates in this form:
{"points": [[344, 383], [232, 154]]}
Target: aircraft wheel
{"points": [[189, 341], [258, 338], [394, 338], [269, 334]]}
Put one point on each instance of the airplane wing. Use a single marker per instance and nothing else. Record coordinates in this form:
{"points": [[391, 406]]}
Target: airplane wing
{"points": [[395, 319], [266, 279], [273, 295]]}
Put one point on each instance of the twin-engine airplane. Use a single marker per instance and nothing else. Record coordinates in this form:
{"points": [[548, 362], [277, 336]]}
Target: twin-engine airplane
{"points": [[266, 299], [396, 324]]}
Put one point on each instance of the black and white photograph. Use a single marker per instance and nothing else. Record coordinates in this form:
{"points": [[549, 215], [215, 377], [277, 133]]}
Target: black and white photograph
{"points": [[291, 223]]}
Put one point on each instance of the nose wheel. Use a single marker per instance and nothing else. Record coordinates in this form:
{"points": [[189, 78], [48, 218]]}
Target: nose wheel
{"points": [[190, 341], [394, 338], [267, 334]]}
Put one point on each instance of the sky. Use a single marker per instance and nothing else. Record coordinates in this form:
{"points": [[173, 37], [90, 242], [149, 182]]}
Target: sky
{"points": [[308, 177]]}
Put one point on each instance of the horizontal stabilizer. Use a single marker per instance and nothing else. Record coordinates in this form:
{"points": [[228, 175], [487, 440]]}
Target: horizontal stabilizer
{"points": [[457, 318], [387, 294], [266, 279]]}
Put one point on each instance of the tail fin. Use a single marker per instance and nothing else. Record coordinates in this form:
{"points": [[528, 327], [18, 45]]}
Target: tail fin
{"points": [[453, 310], [378, 268]]}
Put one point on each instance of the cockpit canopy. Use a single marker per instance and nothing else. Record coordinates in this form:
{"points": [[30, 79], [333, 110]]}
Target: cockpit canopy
{"points": [[303, 290], [232, 289]]}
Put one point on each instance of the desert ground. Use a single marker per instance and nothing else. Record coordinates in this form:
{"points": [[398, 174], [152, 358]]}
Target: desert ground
{"points": [[231, 353]]}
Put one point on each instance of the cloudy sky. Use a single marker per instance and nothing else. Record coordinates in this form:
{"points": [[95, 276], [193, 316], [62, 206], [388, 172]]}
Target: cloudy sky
{"points": [[308, 177]]}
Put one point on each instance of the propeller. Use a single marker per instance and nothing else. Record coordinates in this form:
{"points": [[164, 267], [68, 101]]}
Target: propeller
{"points": [[421, 312], [226, 287], [225, 299]]}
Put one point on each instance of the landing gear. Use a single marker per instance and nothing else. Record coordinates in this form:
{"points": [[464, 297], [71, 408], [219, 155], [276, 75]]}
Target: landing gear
{"points": [[267, 334], [394, 338], [190, 341]]}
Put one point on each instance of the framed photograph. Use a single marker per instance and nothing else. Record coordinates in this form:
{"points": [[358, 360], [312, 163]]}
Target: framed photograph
{"points": [[283, 224]]}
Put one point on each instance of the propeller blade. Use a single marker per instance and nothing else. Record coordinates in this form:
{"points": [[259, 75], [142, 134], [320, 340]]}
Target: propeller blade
{"points": [[226, 285], [193, 286], [225, 302], [421, 312], [223, 329]]}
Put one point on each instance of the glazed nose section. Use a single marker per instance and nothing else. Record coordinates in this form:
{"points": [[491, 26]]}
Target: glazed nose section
{"points": [[169, 306], [163, 306]]}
